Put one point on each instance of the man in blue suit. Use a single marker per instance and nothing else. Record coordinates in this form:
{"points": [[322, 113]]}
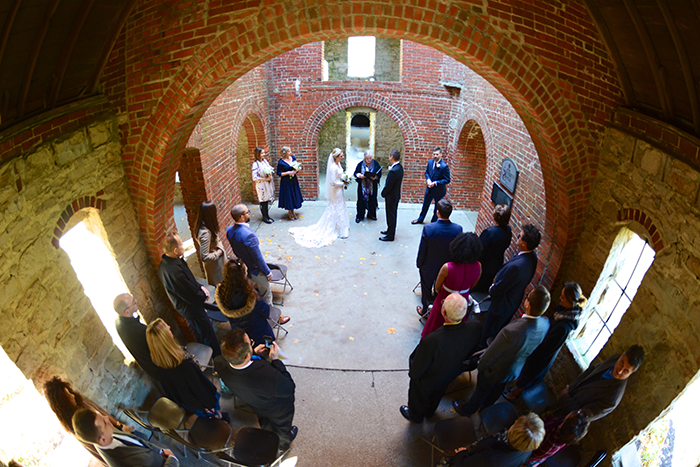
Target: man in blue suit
{"points": [[505, 357], [437, 177], [434, 251], [510, 283], [246, 246]]}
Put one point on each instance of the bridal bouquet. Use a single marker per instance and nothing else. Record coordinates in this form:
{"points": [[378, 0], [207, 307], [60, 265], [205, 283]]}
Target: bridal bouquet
{"points": [[296, 165], [346, 178], [267, 170]]}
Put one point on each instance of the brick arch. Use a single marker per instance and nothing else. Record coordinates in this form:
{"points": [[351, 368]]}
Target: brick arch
{"points": [[468, 162], [315, 122], [490, 42], [91, 202], [639, 216]]}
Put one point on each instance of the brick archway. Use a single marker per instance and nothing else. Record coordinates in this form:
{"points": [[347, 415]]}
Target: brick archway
{"points": [[469, 174], [489, 42]]}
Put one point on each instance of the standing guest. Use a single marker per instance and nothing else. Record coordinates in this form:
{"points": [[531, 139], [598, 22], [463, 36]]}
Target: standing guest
{"points": [[392, 195], [437, 177], [66, 401], [117, 448], [559, 433], [290, 193], [505, 357], [182, 380], [242, 304], [510, 283], [561, 324], [600, 388], [264, 185], [458, 275], [439, 359], [495, 241], [434, 251], [246, 246], [509, 448], [210, 247], [133, 332], [368, 173], [263, 383], [185, 293]]}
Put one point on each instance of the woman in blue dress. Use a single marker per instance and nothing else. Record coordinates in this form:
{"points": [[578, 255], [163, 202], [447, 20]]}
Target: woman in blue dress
{"points": [[290, 194]]}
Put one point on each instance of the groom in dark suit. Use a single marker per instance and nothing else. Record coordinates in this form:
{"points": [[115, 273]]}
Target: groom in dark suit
{"points": [[437, 177], [510, 283], [392, 194]]}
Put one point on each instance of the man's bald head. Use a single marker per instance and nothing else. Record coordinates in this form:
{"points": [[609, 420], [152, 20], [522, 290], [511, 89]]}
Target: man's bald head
{"points": [[454, 308], [238, 211], [123, 304]]}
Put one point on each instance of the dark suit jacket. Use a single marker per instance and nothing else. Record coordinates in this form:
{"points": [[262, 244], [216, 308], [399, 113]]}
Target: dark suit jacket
{"points": [[133, 334], [438, 358], [505, 357], [184, 291], [441, 176], [495, 241], [136, 456], [392, 188], [434, 248], [267, 387], [246, 246], [510, 284], [600, 397]]}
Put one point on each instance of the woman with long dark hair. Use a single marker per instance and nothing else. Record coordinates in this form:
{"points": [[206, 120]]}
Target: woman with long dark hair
{"points": [[210, 247], [241, 302], [65, 401], [264, 185]]}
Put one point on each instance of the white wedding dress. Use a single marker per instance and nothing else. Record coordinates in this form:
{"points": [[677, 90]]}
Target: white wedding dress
{"points": [[334, 222]]}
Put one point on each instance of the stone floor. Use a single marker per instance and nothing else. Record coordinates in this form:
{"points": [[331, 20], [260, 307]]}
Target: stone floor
{"points": [[353, 327]]}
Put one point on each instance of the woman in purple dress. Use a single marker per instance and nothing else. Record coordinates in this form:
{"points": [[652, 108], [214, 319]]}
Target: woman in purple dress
{"points": [[290, 193], [459, 275]]}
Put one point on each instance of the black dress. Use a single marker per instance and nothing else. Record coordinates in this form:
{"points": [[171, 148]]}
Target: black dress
{"points": [[495, 241], [290, 193]]}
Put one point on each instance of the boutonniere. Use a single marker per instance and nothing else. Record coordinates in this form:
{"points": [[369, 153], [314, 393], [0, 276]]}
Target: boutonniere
{"points": [[437, 165]]}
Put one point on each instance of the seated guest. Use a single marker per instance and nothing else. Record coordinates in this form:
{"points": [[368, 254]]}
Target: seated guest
{"points": [[263, 383], [495, 241], [559, 433], [600, 388], [505, 357], [459, 275], [242, 304], [434, 251], [117, 448], [562, 323], [133, 332], [438, 359], [180, 376], [66, 401], [509, 448]]}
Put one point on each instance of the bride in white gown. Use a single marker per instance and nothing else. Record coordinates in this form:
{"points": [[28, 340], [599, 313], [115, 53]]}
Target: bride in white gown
{"points": [[334, 222]]}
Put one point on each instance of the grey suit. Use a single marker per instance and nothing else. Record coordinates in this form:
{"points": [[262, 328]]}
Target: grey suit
{"points": [[592, 392], [147, 455], [504, 359]]}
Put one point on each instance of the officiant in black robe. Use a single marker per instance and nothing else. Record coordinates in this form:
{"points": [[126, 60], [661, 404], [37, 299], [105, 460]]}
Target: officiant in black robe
{"points": [[367, 173]]}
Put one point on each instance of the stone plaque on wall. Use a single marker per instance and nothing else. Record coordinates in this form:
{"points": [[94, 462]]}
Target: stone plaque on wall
{"points": [[509, 175]]}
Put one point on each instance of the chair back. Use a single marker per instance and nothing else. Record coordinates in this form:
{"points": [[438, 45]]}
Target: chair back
{"points": [[498, 417], [166, 414], [202, 354], [454, 433], [256, 447], [209, 433]]}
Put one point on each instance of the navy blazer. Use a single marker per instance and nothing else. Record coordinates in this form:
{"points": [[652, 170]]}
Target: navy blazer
{"points": [[510, 284], [434, 249], [392, 188], [505, 357], [441, 175], [246, 246]]}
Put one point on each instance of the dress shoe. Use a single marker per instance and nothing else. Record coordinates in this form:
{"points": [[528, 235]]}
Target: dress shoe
{"points": [[416, 221], [357, 220], [458, 405], [386, 238], [267, 221], [372, 218], [419, 310], [406, 415], [293, 433], [383, 232], [284, 319]]}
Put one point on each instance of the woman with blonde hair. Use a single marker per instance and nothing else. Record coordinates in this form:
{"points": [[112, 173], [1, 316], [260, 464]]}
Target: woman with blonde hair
{"points": [[290, 193], [241, 303], [264, 185], [562, 323], [180, 376]]}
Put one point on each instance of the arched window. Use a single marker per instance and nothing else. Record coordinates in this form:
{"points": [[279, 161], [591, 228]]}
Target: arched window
{"points": [[628, 261]]}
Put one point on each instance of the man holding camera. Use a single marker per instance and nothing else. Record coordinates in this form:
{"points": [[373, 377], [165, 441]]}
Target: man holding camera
{"points": [[262, 382]]}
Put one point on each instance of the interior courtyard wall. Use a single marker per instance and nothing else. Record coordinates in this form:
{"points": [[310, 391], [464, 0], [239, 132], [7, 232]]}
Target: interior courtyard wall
{"points": [[648, 189], [387, 63], [332, 136], [49, 325]]}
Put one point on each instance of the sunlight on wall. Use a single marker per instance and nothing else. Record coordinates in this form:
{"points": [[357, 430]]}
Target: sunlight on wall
{"points": [[361, 55], [97, 270], [30, 432]]}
